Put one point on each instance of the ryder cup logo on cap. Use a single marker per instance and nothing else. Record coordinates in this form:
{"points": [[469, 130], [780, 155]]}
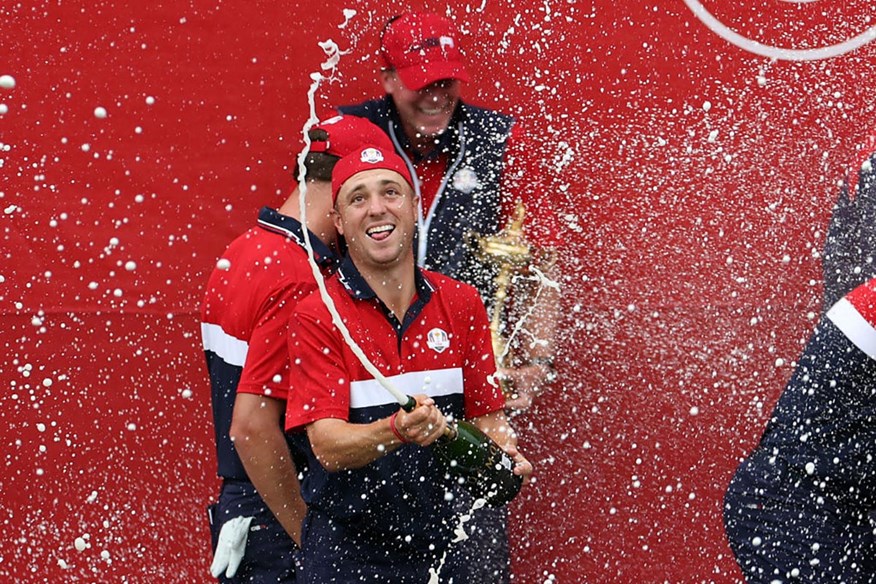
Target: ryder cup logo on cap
{"points": [[371, 156], [366, 158], [437, 340], [442, 42]]}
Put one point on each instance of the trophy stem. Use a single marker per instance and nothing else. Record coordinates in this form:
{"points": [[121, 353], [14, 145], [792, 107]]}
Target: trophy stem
{"points": [[503, 279]]}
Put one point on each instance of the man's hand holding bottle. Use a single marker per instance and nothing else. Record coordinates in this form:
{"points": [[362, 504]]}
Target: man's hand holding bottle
{"points": [[484, 452], [422, 426]]}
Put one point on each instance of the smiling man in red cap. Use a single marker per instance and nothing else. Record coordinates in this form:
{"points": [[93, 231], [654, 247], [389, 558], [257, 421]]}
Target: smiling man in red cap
{"points": [[380, 506], [460, 160], [249, 298], [424, 68]]}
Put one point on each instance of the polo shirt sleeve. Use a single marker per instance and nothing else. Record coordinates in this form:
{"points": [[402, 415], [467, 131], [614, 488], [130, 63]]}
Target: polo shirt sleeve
{"points": [[855, 316], [266, 370], [319, 381], [482, 395]]}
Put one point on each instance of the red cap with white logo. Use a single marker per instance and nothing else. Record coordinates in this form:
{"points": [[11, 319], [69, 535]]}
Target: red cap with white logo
{"points": [[423, 48], [367, 158], [348, 133]]}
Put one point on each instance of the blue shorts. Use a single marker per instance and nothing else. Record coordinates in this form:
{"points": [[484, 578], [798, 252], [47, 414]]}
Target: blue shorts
{"points": [[786, 526], [271, 554]]}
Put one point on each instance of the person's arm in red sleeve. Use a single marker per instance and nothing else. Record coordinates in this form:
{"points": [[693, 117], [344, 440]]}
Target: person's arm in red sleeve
{"points": [[341, 445], [266, 370], [523, 181], [259, 409]]}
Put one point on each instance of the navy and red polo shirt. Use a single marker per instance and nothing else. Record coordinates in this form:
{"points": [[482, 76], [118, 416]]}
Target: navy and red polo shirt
{"points": [[249, 298], [399, 505], [801, 502]]}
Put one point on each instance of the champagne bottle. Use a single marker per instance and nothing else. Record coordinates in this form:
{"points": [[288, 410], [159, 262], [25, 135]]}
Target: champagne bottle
{"points": [[481, 465]]}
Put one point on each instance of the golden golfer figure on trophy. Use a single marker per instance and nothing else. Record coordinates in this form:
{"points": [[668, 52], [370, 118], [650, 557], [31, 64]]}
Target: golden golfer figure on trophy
{"points": [[513, 257]]}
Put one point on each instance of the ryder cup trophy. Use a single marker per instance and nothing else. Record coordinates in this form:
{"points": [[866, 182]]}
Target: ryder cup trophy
{"points": [[512, 256]]}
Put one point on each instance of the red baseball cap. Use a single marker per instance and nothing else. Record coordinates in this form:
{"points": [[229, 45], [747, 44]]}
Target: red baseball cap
{"points": [[365, 158], [346, 134], [423, 48]]}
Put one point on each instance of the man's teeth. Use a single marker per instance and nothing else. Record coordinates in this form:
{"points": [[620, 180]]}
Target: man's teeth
{"points": [[380, 229]]}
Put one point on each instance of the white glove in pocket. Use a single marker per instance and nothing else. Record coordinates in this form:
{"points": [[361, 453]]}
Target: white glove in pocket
{"points": [[231, 547]]}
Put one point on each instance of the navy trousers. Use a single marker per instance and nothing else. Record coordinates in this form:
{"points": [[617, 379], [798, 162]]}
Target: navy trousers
{"points": [[271, 555]]}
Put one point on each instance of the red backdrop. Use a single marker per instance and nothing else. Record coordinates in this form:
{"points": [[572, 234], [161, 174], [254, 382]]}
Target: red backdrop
{"points": [[693, 171]]}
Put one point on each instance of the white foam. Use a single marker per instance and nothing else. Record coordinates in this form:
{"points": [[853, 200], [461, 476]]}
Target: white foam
{"points": [[461, 535], [333, 55]]}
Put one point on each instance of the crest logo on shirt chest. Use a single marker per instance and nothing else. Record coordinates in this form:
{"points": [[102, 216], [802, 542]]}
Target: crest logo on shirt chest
{"points": [[466, 180], [437, 340]]}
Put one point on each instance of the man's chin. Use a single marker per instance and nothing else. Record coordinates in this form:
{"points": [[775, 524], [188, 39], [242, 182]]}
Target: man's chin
{"points": [[376, 259]]}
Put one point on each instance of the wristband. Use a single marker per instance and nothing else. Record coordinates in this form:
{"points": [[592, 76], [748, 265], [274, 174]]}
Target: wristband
{"points": [[395, 431]]}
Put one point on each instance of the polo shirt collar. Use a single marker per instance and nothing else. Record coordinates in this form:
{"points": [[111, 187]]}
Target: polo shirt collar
{"points": [[292, 228], [359, 289]]}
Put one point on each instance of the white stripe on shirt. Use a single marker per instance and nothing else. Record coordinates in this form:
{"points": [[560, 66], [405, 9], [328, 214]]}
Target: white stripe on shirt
{"points": [[438, 382], [856, 328], [230, 349]]}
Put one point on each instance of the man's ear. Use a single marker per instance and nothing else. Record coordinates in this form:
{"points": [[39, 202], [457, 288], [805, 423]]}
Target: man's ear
{"points": [[389, 80], [336, 219]]}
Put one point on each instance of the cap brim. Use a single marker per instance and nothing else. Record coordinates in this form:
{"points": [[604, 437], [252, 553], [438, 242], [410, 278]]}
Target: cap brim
{"points": [[419, 76]]}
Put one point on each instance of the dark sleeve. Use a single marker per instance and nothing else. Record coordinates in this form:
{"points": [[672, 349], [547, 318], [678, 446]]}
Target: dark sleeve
{"points": [[825, 418], [850, 244]]}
